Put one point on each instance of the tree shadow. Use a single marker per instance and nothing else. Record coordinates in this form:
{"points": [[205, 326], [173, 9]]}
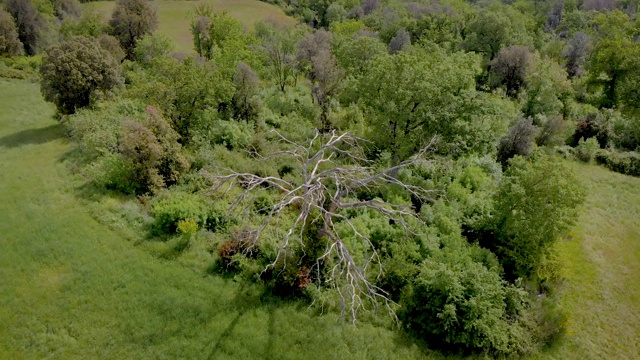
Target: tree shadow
{"points": [[33, 136], [247, 297]]}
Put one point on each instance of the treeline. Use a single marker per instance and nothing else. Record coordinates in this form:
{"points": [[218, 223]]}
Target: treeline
{"points": [[382, 154]]}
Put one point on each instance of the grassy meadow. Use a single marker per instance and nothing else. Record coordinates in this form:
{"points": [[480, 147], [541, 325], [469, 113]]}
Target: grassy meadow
{"points": [[602, 268], [174, 16]]}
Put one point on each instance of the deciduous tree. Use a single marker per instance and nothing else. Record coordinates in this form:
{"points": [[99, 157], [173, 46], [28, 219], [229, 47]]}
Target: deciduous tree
{"points": [[511, 67], [576, 53], [413, 95], [29, 22], [74, 71], [536, 203], [245, 102], [10, 45], [130, 21], [278, 48], [518, 141]]}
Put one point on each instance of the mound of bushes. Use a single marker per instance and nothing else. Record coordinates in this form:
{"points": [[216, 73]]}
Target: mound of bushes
{"points": [[179, 206], [627, 163]]}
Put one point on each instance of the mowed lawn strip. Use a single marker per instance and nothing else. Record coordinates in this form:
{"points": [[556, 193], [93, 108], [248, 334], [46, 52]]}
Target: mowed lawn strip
{"points": [[602, 265], [174, 16], [71, 288]]}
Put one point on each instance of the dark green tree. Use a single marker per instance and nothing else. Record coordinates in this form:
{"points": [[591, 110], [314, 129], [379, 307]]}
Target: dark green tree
{"points": [[151, 150], [74, 71], [510, 68], [10, 45], [130, 21], [29, 22]]}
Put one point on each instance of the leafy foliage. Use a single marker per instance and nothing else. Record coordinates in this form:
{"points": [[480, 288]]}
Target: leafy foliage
{"points": [[130, 21], [457, 302], [10, 45], [152, 151], [519, 141], [30, 24], [510, 68], [416, 94], [536, 203], [74, 71]]}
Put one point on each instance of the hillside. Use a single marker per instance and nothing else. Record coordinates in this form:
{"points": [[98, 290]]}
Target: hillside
{"points": [[174, 16]]}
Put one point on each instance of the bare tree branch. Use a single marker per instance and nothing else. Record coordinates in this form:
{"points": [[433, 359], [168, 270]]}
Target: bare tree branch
{"points": [[333, 169]]}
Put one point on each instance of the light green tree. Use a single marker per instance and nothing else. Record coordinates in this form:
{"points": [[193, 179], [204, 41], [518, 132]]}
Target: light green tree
{"points": [[416, 94], [537, 202]]}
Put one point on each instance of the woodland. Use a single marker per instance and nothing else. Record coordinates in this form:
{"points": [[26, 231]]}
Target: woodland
{"points": [[410, 164]]}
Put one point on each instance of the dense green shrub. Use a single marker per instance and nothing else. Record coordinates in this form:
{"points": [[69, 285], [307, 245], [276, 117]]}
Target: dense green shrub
{"points": [[114, 172], [594, 125], [536, 203], [21, 67], [457, 303], [97, 130], [10, 45], [626, 129], [153, 151], [170, 209], [587, 149], [152, 46], [232, 134], [74, 71], [627, 163], [90, 24]]}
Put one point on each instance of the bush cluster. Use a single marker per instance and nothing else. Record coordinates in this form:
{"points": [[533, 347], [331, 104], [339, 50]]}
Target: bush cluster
{"points": [[627, 163]]}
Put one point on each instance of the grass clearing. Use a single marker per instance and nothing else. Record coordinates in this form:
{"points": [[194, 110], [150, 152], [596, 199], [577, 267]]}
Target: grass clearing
{"points": [[173, 16], [602, 264], [73, 288]]}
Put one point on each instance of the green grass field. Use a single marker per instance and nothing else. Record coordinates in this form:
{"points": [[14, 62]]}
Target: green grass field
{"points": [[74, 288], [602, 292], [174, 16]]}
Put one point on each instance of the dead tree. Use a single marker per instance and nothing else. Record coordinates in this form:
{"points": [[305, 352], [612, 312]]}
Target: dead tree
{"points": [[333, 169]]}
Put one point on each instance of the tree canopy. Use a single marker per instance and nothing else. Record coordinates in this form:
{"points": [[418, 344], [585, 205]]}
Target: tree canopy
{"points": [[130, 21], [74, 71]]}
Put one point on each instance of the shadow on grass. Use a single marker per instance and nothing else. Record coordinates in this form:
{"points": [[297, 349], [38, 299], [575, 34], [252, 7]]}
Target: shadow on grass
{"points": [[33, 136]]}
